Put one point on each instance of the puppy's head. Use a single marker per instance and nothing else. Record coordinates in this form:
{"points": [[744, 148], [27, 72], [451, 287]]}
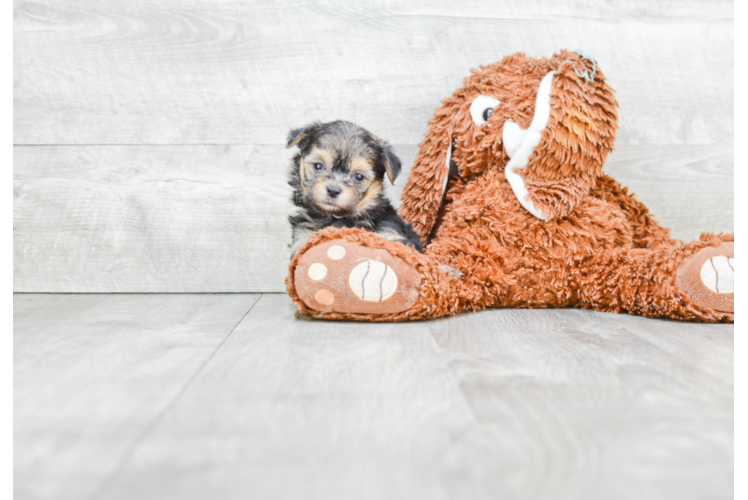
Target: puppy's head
{"points": [[340, 167]]}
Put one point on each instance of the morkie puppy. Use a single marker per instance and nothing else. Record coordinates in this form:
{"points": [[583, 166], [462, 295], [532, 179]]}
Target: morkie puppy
{"points": [[337, 178]]}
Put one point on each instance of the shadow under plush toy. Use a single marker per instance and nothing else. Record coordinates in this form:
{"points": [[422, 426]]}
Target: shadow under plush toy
{"points": [[508, 189]]}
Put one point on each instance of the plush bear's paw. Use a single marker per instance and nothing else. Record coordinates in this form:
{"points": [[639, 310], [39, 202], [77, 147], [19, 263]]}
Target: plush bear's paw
{"points": [[708, 277], [344, 277]]}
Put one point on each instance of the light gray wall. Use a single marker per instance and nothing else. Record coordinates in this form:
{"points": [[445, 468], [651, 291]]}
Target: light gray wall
{"points": [[149, 135]]}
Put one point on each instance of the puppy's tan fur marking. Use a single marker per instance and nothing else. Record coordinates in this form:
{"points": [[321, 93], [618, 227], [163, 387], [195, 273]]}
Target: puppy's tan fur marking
{"points": [[391, 235], [302, 170], [390, 173], [325, 156], [370, 197], [363, 165]]}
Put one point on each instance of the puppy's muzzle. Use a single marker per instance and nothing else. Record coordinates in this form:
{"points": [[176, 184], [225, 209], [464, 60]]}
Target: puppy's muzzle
{"points": [[333, 191]]}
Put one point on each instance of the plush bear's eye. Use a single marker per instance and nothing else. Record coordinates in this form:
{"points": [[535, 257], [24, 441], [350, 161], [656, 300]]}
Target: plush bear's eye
{"points": [[318, 166], [481, 108], [358, 176]]}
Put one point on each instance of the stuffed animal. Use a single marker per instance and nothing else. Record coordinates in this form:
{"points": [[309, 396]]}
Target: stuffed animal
{"points": [[509, 197]]}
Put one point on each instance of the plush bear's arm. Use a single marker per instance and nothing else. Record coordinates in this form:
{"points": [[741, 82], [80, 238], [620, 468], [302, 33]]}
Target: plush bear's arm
{"points": [[647, 232]]}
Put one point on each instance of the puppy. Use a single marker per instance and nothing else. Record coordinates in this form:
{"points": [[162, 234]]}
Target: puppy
{"points": [[337, 179]]}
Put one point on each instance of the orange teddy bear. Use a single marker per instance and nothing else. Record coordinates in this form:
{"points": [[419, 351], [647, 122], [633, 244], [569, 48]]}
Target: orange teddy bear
{"points": [[508, 196]]}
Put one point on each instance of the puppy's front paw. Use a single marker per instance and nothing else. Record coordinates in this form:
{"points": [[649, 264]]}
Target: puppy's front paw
{"points": [[344, 277], [708, 277]]}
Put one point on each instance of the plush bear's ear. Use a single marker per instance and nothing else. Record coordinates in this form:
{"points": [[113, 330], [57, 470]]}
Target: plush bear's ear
{"points": [[427, 182], [391, 162], [302, 136]]}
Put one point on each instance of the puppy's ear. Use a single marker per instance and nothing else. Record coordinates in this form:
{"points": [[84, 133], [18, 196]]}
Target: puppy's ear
{"points": [[391, 162], [301, 136]]}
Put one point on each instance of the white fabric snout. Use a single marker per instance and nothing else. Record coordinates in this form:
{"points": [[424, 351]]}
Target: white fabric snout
{"points": [[518, 143], [512, 137], [528, 139]]}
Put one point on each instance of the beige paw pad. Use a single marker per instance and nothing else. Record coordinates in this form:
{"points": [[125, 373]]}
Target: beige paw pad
{"points": [[324, 297], [373, 281], [718, 274], [336, 252], [317, 271], [708, 277]]}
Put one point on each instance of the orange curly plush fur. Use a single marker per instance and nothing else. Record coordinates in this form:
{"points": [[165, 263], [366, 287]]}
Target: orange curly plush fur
{"points": [[525, 219]]}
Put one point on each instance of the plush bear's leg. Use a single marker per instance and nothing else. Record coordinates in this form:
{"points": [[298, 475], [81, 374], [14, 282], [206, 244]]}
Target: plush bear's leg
{"points": [[355, 274], [693, 281]]}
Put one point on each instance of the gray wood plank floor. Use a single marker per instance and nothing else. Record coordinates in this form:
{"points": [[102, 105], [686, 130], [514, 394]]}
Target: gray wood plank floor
{"points": [[228, 396], [93, 373]]}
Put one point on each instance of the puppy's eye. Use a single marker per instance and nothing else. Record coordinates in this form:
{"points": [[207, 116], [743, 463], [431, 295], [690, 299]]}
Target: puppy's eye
{"points": [[358, 176], [318, 166], [481, 108]]}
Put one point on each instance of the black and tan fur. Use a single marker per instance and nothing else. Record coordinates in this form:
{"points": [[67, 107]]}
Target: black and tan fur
{"points": [[337, 178]]}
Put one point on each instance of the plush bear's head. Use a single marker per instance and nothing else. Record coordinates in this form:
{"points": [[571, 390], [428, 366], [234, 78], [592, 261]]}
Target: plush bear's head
{"points": [[548, 124]]}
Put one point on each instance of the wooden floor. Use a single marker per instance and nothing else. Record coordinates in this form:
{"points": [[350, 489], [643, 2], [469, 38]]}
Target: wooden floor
{"points": [[228, 396]]}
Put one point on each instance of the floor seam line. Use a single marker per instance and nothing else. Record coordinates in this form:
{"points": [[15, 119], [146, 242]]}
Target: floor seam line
{"points": [[162, 414]]}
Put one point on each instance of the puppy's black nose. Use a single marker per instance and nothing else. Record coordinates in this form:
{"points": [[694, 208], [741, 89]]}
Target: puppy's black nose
{"points": [[333, 191]]}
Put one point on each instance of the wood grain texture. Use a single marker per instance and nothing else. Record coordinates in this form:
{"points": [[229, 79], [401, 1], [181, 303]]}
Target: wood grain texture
{"points": [[741, 122], [151, 219], [92, 373], [227, 72], [690, 189], [542, 404], [213, 218], [741, 200], [223, 81], [643, 407]]}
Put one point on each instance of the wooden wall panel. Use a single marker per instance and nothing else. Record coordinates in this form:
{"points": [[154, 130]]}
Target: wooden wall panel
{"points": [[201, 71], [213, 218], [148, 135], [741, 125]]}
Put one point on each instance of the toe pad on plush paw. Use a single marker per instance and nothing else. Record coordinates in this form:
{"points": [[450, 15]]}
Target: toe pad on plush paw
{"points": [[344, 277], [708, 277]]}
